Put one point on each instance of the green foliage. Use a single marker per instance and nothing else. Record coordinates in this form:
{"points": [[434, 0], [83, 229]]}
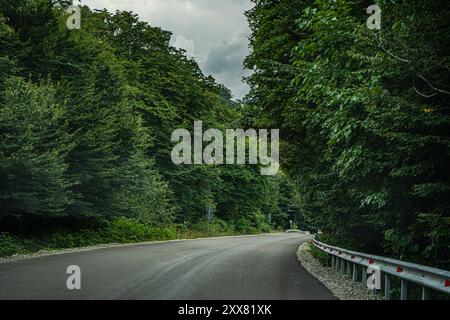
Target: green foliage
{"points": [[324, 258], [203, 228], [34, 143], [252, 223], [364, 118], [120, 230], [124, 230], [9, 245], [97, 162]]}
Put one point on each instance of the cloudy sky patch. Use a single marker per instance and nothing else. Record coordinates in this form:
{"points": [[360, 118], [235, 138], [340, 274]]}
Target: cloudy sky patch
{"points": [[213, 32]]}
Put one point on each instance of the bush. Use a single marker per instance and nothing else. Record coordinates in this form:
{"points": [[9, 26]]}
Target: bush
{"points": [[120, 230], [10, 245], [125, 230], [318, 254], [255, 222], [204, 228]]}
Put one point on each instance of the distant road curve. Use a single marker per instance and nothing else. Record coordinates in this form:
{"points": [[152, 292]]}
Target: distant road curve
{"points": [[230, 268]]}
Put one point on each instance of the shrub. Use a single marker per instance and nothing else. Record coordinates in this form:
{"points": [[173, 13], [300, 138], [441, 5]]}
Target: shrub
{"points": [[125, 230], [10, 245], [318, 254]]}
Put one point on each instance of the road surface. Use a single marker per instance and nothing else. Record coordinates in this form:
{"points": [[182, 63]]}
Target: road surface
{"points": [[232, 268]]}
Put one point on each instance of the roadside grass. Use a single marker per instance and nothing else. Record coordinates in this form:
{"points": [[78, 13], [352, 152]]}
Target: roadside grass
{"points": [[321, 256], [120, 230]]}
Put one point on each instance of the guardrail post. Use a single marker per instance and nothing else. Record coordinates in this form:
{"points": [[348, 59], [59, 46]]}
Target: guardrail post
{"points": [[336, 267], [349, 269], [387, 287], [404, 290], [355, 273], [333, 261], [425, 293], [364, 275], [342, 266]]}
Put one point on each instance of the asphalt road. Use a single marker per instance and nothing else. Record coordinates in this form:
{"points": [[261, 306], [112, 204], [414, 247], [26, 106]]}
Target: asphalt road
{"points": [[233, 268]]}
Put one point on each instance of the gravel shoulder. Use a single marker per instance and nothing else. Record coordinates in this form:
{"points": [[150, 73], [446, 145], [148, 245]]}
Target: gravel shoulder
{"points": [[340, 285]]}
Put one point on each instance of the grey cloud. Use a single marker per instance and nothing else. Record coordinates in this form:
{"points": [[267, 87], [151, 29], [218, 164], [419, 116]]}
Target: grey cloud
{"points": [[225, 58], [225, 63], [210, 30]]}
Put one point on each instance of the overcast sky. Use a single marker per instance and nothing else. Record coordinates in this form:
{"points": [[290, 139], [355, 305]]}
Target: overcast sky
{"points": [[213, 32]]}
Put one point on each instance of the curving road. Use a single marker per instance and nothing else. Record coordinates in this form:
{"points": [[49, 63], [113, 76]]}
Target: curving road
{"points": [[237, 268]]}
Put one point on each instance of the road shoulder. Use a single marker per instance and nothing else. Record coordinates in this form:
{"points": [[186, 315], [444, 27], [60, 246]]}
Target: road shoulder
{"points": [[340, 285]]}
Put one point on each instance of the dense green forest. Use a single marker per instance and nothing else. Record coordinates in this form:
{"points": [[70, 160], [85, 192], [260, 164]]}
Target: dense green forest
{"points": [[86, 118], [364, 118]]}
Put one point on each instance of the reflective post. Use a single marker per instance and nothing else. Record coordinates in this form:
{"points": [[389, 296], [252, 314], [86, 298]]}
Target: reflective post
{"points": [[404, 290], [342, 266], [425, 293], [364, 275], [355, 273]]}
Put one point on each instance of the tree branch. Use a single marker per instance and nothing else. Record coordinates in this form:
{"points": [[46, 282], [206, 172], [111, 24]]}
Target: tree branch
{"points": [[390, 53], [424, 95], [437, 90], [431, 86]]}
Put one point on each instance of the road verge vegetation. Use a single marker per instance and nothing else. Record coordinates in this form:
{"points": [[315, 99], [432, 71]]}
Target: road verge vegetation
{"points": [[121, 230]]}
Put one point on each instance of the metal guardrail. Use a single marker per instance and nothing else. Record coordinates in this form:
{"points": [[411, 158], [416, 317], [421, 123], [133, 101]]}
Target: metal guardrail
{"points": [[427, 277]]}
